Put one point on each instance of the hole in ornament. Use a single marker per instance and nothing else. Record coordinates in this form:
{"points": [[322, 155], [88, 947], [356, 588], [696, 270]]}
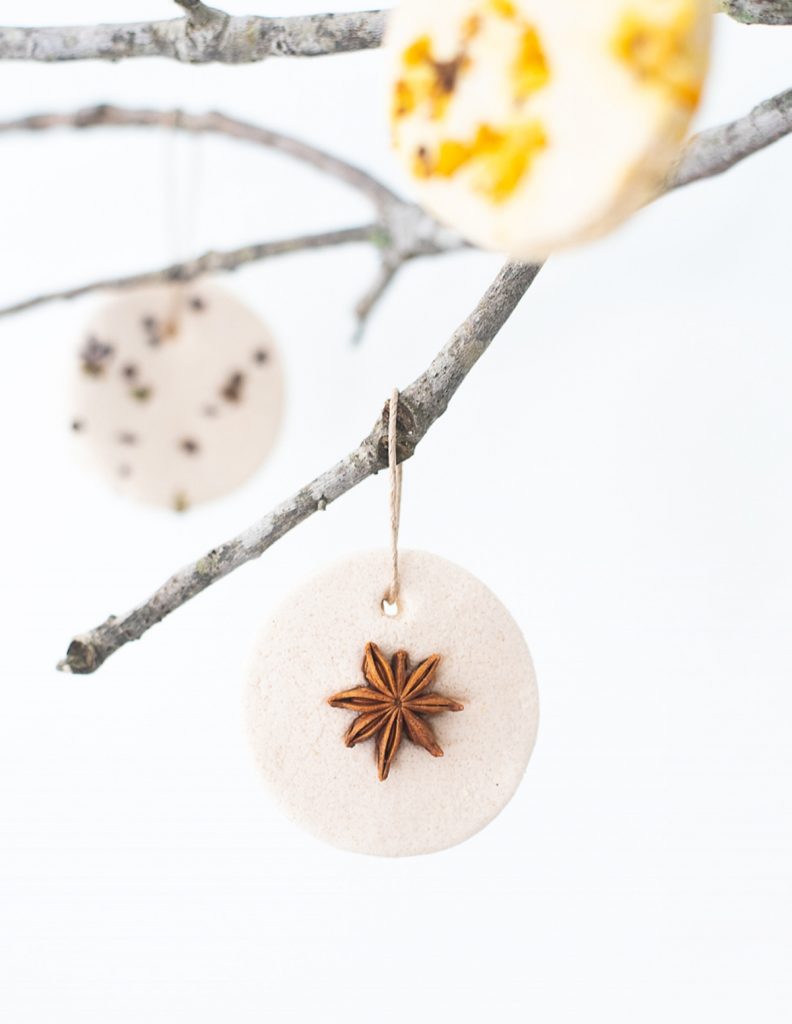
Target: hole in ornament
{"points": [[390, 608]]}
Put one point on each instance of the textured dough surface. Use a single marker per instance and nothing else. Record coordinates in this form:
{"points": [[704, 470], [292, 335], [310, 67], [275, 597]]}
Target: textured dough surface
{"points": [[176, 417], [313, 646], [531, 125]]}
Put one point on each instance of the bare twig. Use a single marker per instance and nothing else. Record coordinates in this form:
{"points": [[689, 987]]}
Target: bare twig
{"points": [[203, 36], [206, 35], [758, 12], [212, 123], [209, 263], [402, 232], [367, 303], [420, 405], [715, 150], [708, 154]]}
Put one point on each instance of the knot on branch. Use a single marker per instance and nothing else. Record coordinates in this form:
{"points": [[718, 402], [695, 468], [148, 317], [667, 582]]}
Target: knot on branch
{"points": [[199, 13], [204, 32]]}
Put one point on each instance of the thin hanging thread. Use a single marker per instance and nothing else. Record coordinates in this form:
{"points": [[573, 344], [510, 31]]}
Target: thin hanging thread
{"points": [[181, 206], [173, 217], [395, 478]]}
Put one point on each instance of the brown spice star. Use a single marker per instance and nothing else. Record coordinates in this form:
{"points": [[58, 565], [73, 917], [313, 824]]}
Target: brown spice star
{"points": [[394, 702]]}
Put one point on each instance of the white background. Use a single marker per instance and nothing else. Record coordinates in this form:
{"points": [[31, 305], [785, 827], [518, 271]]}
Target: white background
{"points": [[617, 469]]}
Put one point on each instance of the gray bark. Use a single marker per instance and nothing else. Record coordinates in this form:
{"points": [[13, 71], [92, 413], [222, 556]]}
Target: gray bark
{"points": [[206, 35], [759, 12], [420, 405], [203, 37], [401, 231]]}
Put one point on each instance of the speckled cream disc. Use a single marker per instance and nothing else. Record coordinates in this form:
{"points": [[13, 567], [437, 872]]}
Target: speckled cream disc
{"points": [[531, 125], [313, 646], [178, 393]]}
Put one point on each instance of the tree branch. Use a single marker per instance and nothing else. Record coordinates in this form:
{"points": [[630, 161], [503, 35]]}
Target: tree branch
{"points": [[758, 12], [420, 405], [203, 36], [209, 263], [716, 150], [212, 123], [423, 402], [368, 302], [402, 232], [206, 35]]}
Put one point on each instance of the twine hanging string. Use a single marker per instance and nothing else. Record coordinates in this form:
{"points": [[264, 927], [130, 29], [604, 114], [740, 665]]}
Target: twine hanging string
{"points": [[395, 479]]}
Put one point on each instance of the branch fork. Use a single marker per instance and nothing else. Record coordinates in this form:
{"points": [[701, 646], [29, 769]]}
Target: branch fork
{"points": [[420, 405], [401, 232], [205, 29]]}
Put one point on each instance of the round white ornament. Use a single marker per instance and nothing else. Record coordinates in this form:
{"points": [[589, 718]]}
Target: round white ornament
{"points": [[531, 125], [178, 393], [314, 646]]}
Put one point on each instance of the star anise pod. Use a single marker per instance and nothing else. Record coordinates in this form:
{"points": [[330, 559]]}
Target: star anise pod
{"points": [[395, 702]]}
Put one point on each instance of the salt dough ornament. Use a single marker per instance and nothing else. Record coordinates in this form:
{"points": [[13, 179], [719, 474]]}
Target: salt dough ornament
{"points": [[532, 125], [435, 684], [316, 644], [178, 393]]}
